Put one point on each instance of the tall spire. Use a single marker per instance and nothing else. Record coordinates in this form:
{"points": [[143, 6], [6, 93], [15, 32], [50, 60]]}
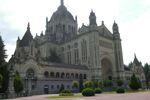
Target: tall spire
{"points": [[62, 2]]}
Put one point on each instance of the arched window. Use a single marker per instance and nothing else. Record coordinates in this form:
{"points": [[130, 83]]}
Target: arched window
{"points": [[31, 49], [72, 75], [57, 75], [46, 74], [30, 73], [80, 76], [62, 75], [63, 28], [67, 75], [84, 50], [76, 76], [85, 76], [52, 74]]}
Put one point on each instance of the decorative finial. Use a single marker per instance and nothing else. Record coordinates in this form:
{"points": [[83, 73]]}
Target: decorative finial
{"points": [[102, 22], [114, 21], [134, 55], [62, 2], [28, 28], [18, 38]]}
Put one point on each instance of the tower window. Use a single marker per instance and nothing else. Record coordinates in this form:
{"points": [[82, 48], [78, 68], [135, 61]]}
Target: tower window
{"points": [[63, 28]]}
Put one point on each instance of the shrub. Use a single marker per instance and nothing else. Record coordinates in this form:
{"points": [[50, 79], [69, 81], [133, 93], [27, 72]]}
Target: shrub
{"points": [[88, 84], [66, 93], [88, 92], [134, 83], [18, 85], [98, 90], [119, 82], [107, 83], [75, 84], [100, 84], [61, 88], [120, 90]]}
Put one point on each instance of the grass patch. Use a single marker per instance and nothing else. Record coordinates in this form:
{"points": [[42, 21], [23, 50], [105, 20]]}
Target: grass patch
{"points": [[74, 96], [136, 91]]}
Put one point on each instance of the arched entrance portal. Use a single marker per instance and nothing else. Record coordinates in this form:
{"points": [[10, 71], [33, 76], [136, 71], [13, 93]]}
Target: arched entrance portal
{"points": [[106, 68]]}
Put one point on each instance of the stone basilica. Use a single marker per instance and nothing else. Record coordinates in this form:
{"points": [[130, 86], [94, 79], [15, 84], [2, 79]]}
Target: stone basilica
{"points": [[65, 53]]}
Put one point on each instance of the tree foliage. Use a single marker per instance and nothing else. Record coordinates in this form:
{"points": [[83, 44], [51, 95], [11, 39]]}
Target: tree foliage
{"points": [[2, 52], [88, 84], [119, 82], [3, 67], [1, 80], [100, 84], [18, 85], [147, 73], [134, 83], [107, 83], [75, 84]]}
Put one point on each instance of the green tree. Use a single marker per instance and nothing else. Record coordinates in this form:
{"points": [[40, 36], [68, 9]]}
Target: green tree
{"points": [[18, 85], [2, 52], [1, 80], [147, 73], [95, 83], [3, 67], [107, 83], [75, 84], [119, 82], [134, 83], [88, 84], [100, 84]]}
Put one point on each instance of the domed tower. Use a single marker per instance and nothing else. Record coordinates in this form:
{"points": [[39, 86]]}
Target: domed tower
{"points": [[62, 26]]}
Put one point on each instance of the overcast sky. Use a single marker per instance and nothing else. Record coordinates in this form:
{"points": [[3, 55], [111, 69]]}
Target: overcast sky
{"points": [[132, 16]]}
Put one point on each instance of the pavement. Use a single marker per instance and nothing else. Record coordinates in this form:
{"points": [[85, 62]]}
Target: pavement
{"points": [[126, 96]]}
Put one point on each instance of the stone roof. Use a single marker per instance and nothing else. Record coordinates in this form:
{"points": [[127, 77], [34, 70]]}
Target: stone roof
{"points": [[62, 14], [136, 61], [27, 38]]}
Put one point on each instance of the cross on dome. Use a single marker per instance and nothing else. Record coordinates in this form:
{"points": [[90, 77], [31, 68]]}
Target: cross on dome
{"points": [[62, 2]]}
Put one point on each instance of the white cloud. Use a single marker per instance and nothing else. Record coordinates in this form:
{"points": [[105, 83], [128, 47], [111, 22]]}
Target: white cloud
{"points": [[132, 17]]}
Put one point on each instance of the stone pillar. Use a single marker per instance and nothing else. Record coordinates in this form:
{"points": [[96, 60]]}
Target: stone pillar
{"points": [[11, 91]]}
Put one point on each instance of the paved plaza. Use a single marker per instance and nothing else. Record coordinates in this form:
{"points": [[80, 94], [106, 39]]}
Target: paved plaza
{"points": [[127, 96]]}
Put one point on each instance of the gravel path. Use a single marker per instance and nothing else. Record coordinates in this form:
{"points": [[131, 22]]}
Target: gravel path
{"points": [[127, 96]]}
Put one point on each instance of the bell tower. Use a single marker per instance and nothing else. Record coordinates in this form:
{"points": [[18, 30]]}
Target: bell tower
{"points": [[118, 51]]}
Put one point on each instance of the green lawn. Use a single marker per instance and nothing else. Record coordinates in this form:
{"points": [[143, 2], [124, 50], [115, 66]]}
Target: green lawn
{"points": [[74, 96], [136, 91], [112, 92]]}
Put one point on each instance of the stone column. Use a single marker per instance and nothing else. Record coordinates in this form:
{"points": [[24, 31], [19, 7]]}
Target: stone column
{"points": [[11, 91]]}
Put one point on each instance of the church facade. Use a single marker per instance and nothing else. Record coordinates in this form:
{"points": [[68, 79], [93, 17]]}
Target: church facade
{"points": [[64, 53]]}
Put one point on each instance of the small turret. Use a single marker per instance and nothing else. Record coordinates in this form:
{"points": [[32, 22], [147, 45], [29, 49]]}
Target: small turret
{"points": [[115, 29], [46, 22], [18, 42], [92, 18]]}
